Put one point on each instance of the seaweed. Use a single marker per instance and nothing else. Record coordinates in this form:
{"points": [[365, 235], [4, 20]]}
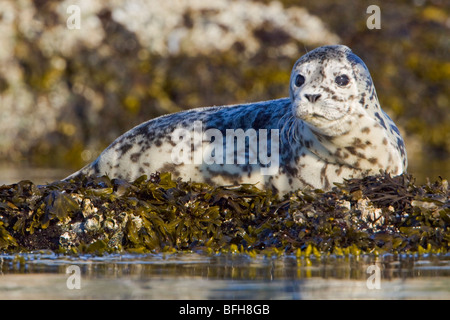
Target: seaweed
{"points": [[374, 215]]}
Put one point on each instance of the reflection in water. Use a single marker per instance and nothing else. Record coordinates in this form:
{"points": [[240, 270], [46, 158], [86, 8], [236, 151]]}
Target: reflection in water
{"points": [[199, 276]]}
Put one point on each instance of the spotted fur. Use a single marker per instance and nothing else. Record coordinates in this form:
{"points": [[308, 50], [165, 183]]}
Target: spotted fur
{"points": [[327, 133]]}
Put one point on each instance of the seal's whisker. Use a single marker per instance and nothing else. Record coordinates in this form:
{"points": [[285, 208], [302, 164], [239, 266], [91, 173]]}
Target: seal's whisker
{"points": [[293, 130], [285, 124], [296, 123], [281, 119], [290, 132], [284, 130]]}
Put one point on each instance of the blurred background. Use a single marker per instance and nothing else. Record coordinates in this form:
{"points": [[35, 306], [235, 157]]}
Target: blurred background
{"points": [[67, 90]]}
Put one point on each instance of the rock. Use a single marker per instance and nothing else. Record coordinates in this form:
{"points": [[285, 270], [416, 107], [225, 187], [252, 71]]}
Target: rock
{"points": [[166, 215]]}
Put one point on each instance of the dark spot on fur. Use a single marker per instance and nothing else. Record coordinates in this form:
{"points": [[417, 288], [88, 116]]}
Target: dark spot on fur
{"points": [[324, 177], [135, 157], [95, 166], [380, 120], [337, 153], [401, 146], [395, 129], [170, 167], [308, 144], [362, 100], [124, 148], [351, 150]]}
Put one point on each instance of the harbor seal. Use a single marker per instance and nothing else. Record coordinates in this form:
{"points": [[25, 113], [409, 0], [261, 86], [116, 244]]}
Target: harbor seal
{"points": [[330, 128]]}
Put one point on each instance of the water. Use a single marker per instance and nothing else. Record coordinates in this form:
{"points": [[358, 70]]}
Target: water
{"points": [[10, 175], [223, 276]]}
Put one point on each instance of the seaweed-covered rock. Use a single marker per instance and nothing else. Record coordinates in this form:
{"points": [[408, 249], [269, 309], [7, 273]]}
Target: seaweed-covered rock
{"points": [[376, 214]]}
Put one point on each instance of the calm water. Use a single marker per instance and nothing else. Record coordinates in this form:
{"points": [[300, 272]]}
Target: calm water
{"points": [[200, 276], [230, 276]]}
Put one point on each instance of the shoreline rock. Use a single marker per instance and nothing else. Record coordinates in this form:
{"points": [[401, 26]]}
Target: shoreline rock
{"points": [[377, 214]]}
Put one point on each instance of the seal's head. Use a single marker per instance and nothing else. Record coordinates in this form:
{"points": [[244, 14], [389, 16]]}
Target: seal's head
{"points": [[333, 95], [328, 86]]}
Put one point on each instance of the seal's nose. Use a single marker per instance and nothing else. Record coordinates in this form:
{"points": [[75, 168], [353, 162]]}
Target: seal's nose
{"points": [[312, 97]]}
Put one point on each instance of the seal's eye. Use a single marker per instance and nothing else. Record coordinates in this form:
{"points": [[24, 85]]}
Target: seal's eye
{"points": [[342, 80], [299, 80]]}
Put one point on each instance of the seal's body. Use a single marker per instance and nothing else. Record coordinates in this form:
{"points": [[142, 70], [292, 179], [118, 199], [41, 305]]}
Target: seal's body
{"points": [[331, 128]]}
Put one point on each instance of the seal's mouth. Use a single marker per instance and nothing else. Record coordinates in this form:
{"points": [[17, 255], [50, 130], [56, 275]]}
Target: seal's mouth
{"points": [[319, 114], [326, 118]]}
